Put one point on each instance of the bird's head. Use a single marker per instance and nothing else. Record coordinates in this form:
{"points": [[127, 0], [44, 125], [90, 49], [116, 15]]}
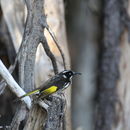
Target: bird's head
{"points": [[69, 74]]}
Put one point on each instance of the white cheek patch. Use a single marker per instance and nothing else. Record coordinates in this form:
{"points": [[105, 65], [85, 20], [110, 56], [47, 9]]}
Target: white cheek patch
{"points": [[65, 76], [66, 85], [71, 77], [65, 71]]}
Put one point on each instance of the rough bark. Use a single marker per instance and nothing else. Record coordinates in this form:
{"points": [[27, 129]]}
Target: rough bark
{"points": [[108, 98], [37, 118], [122, 109], [56, 21], [35, 25], [33, 35]]}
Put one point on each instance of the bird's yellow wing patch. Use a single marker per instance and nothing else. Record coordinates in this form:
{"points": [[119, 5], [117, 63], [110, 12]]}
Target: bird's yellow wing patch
{"points": [[32, 92], [50, 90], [29, 93]]}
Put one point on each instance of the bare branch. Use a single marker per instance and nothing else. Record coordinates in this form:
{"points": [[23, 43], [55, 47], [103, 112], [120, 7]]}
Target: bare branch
{"points": [[58, 46], [43, 105], [11, 69], [13, 84], [50, 54], [2, 86]]}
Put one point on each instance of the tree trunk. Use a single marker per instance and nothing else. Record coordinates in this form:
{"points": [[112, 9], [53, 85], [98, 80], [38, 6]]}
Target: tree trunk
{"points": [[112, 103], [84, 33]]}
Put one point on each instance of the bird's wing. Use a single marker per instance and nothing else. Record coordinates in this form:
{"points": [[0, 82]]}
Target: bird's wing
{"points": [[43, 88], [49, 83]]}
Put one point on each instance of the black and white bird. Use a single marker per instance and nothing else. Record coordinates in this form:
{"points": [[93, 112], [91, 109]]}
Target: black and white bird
{"points": [[58, 82]]}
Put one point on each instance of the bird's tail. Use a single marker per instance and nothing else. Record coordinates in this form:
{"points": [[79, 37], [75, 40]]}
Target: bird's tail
{"points": [[27, 94]]}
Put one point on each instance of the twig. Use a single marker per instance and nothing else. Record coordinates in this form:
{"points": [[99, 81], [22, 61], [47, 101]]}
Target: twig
{"points": [[12, 67], [3, 84], [58, 46], [50, 54], [43, 105], [13, 84]]}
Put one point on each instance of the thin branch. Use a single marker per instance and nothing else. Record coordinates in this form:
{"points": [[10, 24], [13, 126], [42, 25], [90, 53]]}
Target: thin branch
{"points": [[13, 84], [16, 88], [3, 84], [50, 54], [12, 67], [43, 105], [56, 42]]}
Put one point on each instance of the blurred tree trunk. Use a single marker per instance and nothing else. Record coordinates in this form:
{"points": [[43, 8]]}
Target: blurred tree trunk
{"points": [[84, 33], [113, 93]]}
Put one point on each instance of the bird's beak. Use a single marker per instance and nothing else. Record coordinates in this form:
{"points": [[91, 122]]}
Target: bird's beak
{"points": [[76, 73]]}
